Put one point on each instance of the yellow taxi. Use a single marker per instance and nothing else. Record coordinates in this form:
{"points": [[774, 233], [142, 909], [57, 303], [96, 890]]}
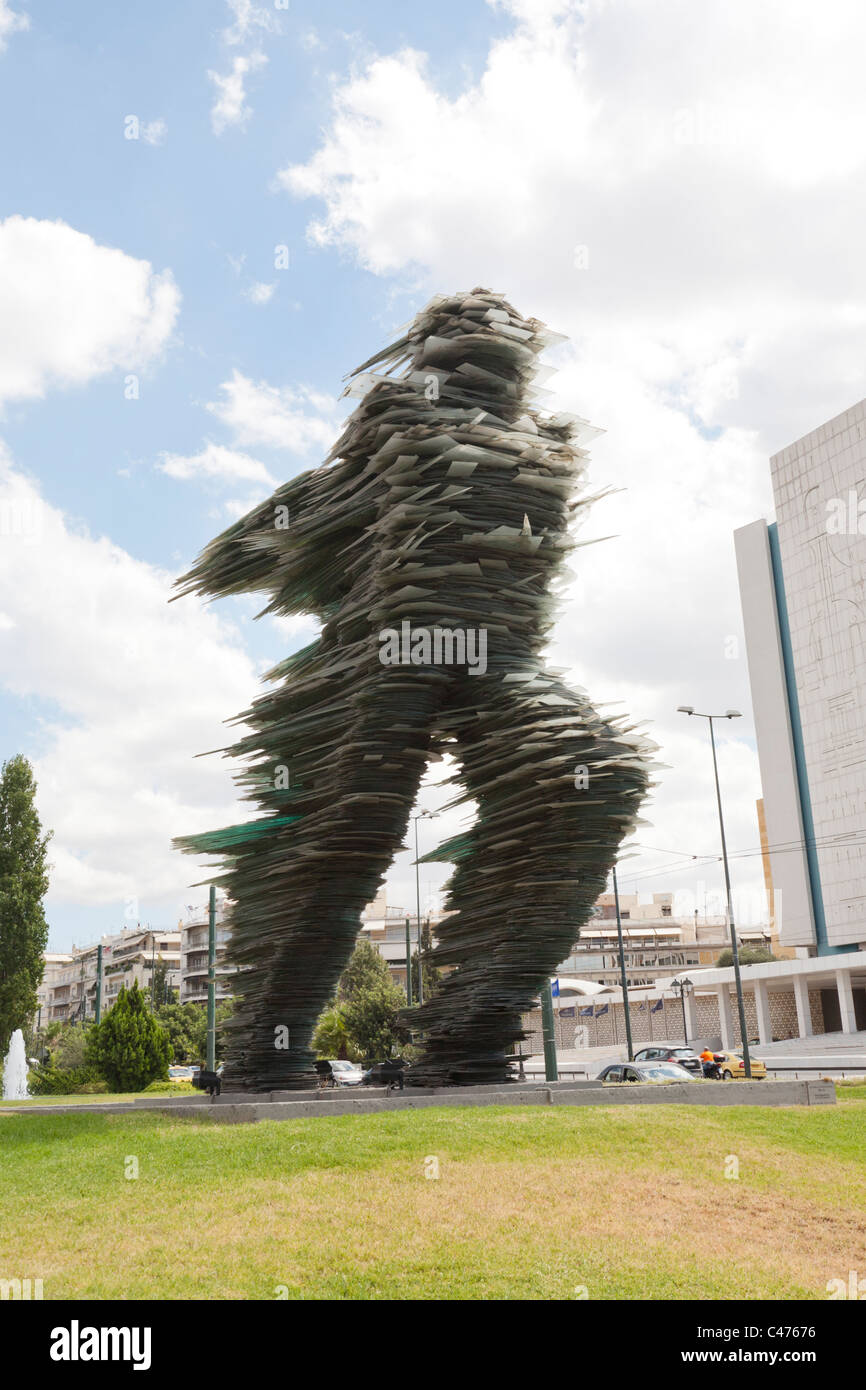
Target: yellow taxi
{"points": [[733, 1068]]}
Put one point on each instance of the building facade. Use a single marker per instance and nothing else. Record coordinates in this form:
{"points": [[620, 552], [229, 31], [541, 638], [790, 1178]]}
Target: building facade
{"points": [[655, 942], [194, 954], [68, 991], [803, 592]]}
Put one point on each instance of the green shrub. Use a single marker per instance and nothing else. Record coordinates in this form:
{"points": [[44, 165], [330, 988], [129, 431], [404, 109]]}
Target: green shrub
{"points": [[129, 1048], [170, 1088], [65, 1081]]}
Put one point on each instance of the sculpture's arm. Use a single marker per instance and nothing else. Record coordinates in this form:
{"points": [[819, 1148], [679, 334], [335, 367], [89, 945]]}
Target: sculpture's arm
{"points": [[289, 545]]}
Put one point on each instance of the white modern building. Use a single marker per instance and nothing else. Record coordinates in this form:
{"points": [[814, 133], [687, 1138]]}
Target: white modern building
{"points": [[803, 592]]}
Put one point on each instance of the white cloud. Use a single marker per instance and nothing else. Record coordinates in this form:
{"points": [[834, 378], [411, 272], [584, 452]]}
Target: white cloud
{"points": [[293, 418], [140, 687], [230, 107], [72, 309], [260, 293], [154, 132], [248, 18], [236, 507], [215, 461], [300, 625], [11, 22], [686, 205]]}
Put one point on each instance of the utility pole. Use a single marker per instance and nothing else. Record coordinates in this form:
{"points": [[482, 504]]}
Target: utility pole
{"points": [[422, 815], [408, 965], [622, 971], [211, 980], [99, 982], [741, 1010], [548, 1033], [418, 912]]}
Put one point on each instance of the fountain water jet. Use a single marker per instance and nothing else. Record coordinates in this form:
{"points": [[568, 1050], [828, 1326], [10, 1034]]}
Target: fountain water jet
{"points": [[15, 1069]]}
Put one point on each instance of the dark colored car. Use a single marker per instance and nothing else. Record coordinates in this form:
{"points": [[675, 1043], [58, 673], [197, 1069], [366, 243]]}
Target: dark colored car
{"points": [[389, 1073], [657, 1072], [671, 1052]]}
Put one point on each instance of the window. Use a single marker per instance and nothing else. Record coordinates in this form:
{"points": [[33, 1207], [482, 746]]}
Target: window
{"points": [[613, 1074]]}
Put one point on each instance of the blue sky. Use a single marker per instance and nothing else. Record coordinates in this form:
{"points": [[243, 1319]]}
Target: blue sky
{"points": [[633, 175], [189, 204]]}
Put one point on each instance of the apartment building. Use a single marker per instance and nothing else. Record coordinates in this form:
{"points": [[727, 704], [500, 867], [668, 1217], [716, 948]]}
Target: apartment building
{"points": [[55, 963], [194, 952], [69, 986], [655, 942], [385, 927]]}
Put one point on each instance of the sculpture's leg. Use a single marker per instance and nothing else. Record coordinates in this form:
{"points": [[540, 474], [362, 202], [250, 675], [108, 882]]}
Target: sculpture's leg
{"points": [[553, 804], [338, 858]]}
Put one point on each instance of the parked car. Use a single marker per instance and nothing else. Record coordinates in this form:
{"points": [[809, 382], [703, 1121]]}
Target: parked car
{"points": [[671, 1052], [388, 1073], [655, 1072], [347, 1073], [181, 1073], [733, 1068]]}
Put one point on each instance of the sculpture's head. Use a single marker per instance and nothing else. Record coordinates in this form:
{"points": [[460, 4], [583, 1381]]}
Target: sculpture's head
{"points": [[468, 338]]}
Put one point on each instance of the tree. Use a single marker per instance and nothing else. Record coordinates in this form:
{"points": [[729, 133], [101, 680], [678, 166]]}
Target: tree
{"points": [[365, 968], [180, 1022], [186, 1025], [160, 991], [749, 955], [331, 1038], [129, 1047], [431, 974], [23, 884], [364, 1019], [67, 1043], [373, 1020], [370, 1004]]}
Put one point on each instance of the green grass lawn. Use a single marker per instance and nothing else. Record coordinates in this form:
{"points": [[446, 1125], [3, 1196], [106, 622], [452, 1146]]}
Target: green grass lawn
{"points": [[179, 1088], [624, 1202]]}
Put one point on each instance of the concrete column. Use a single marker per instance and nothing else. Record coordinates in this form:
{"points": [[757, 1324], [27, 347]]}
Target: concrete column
{"points": [[691, 1018], [762, 1009], [804, 1013], [846, 1001], [725, 1022]]}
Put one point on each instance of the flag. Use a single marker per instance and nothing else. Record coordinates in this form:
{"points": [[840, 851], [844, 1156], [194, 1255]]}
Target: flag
{"points": [[554, 988], [588, 1013], [659, 1004], [567, 1013], [603, 1010]]}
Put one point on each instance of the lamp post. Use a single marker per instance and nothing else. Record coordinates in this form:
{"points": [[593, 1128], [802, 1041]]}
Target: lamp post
{"points": [[683, 987], [422, 815], [741, 1010], [211, 980], [622, 970]]}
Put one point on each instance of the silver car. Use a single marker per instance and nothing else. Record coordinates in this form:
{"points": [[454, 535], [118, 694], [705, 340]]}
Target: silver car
{"points": [[347, 1073], [654, 1072]]}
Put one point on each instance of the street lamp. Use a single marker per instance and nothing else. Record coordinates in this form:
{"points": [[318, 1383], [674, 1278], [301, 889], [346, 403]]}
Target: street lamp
{"points": [[623, 974], [422, 815], [741, 1010], [683, 988]]}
